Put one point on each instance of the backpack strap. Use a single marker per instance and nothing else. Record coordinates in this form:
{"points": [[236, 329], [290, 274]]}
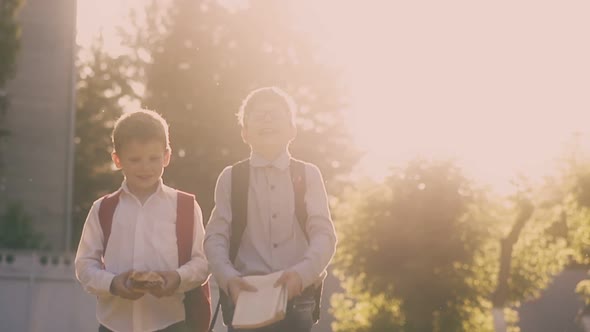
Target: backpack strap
{"points": [[197, 302], [106, 211], [185, 221], [297, 169], [240, 179]]}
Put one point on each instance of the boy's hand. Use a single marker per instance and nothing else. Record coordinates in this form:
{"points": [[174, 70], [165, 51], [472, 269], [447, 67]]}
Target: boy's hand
{"points": [[120, 287], [235, 285], [171, 283], [292, 281]]}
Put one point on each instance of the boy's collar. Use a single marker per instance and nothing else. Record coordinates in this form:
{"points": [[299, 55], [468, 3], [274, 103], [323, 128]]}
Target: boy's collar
{"points": [[159, 189], [281, 162]]}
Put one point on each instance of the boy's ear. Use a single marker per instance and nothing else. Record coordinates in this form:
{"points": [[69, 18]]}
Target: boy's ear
{"points": [[116, 159], [244, 133], [167, 155], [293, 133]]}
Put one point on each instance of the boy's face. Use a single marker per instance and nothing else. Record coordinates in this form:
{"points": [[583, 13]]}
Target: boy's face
{"points": [[142, 164], [267, 124]]}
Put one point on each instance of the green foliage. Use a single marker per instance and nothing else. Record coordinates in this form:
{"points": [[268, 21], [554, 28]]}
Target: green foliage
{"points": [[533, 248], [103, 84], [430, 242], [359, 311], [537, 258], [415, 239], [579, 222], [583, 289], [15, 225], [198, 60], [9, 47], [575, 205], [574, 188], [9, 39], [16, 230]]}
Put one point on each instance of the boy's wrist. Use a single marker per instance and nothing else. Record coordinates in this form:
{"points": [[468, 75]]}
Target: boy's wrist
{"points": [[112, 288], [108, 284]]}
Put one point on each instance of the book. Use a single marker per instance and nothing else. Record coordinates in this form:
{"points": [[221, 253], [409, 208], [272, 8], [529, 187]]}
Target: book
{"points": [[266, 306]]}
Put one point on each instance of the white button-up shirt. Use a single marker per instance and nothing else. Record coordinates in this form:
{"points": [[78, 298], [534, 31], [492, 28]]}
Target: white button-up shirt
{"points": [[273, 239], [143, 238]]}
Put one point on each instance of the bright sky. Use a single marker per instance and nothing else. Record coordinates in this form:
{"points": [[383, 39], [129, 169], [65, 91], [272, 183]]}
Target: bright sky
{"points": [[500, 85]]}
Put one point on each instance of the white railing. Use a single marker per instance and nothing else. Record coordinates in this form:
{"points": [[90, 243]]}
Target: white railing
{"points": [[39, 292]]}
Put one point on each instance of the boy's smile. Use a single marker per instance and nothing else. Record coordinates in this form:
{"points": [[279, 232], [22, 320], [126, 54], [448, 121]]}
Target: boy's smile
{"points": [[267, 131], [142, 164]]}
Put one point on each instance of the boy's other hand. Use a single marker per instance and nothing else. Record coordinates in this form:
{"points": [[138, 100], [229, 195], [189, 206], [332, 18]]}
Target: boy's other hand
{"points": [[171, 283], [236, 284], [120, 287], [292, 281]]}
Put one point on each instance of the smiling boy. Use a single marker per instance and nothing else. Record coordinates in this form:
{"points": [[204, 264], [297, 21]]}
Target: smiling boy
{"points": [[142, 236], [271, 214]]}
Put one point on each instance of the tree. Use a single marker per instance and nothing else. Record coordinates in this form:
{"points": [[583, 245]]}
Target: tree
{"points": [[16, 230], [198, 61], [531, 249], [413, 243], [102, 89], [575, 204], [441, 255], [9, 46]]}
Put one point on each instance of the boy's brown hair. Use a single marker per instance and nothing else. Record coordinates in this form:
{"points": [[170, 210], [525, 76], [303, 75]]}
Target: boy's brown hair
{"points": [[271, 93], [142, 126]]}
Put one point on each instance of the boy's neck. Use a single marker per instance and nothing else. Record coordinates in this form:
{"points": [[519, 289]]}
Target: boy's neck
{"points": [[269, 153], [142, 197], [143, 194]]}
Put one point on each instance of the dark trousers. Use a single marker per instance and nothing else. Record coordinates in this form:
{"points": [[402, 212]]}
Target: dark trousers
{"points": [[177, 327], [299, 317]]}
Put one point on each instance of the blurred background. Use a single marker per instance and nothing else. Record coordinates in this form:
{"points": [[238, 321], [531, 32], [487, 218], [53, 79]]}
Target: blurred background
{"points": [[453, 138]]}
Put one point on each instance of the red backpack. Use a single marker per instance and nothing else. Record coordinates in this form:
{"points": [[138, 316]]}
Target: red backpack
{"points": [[197, 302]]}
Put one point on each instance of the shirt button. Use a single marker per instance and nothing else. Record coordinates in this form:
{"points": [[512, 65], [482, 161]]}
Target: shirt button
{"points": [[275, 245], [274, 216], [272, 187]]}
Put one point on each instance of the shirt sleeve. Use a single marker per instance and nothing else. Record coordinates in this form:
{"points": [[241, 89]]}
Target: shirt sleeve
{"points": [[319, 227], [217, 235], [195, 272], [88, 263]]}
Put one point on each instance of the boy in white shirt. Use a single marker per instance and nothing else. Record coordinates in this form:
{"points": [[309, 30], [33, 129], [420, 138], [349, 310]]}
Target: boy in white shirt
{"points": [[280, 230], [141, 236]]}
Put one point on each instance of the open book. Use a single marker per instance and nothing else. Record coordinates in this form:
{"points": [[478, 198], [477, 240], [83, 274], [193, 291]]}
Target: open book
{"points": [[263, 307]]}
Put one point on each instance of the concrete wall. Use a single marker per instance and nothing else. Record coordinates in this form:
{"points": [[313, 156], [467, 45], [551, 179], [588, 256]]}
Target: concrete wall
{"points": [[40, 293]]}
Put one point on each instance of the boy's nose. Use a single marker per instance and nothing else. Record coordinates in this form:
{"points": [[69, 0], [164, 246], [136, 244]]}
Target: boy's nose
{"points": [[145, 165]]}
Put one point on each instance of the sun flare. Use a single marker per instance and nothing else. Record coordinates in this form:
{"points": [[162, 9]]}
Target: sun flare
{"points": [[464, 80]]}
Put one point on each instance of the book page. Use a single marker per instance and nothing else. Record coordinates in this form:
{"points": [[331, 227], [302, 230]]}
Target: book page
{"points": [[263, 307]]}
